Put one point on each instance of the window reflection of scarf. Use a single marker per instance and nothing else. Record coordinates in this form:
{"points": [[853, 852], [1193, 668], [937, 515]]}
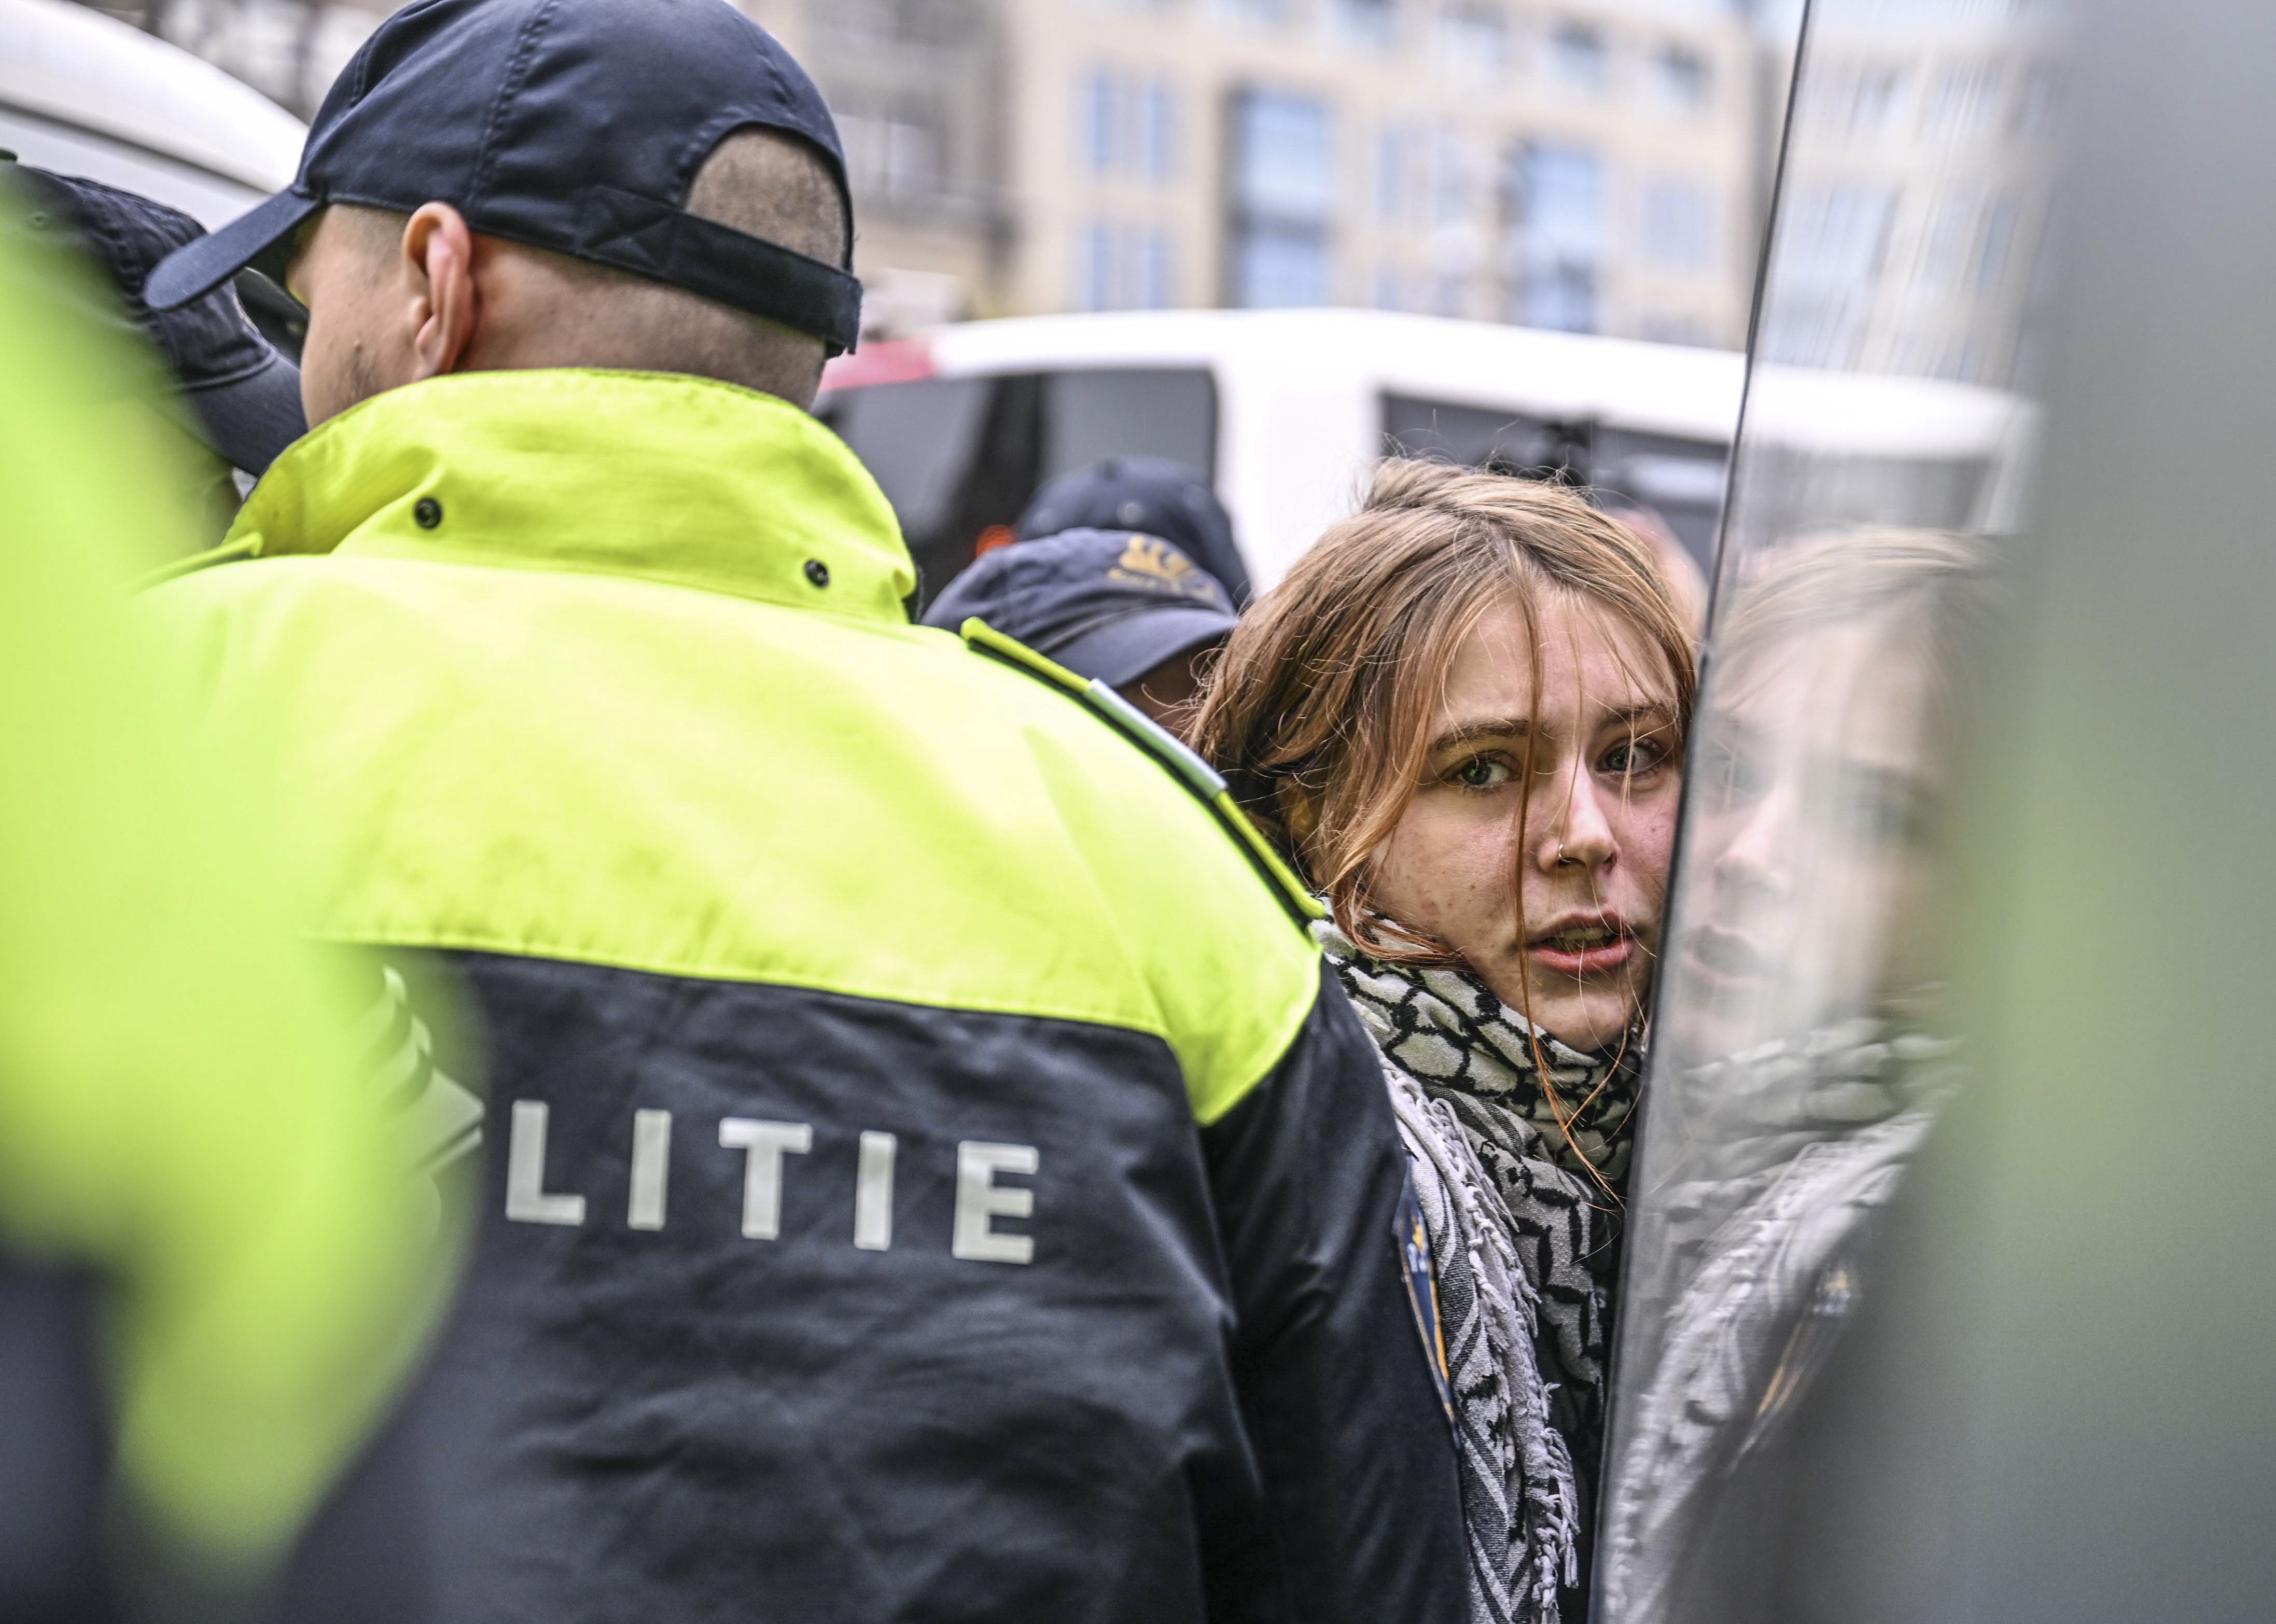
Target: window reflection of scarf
{"points": [[1753, 1245], [1524, 1221]]}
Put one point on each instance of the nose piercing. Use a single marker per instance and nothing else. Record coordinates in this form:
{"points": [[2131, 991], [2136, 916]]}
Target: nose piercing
{"points": [[1560, 853]]}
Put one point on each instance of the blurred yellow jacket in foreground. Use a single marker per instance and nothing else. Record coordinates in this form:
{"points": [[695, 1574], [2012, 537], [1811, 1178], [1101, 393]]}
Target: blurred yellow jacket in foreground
{"points": [[180, 1109]]}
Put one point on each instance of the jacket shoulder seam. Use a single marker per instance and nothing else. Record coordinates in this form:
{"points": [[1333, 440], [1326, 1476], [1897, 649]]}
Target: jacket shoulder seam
{"points": [[1196, 776], [728, 974]]}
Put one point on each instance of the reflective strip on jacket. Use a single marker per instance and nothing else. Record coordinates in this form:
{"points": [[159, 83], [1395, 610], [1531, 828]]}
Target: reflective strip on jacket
{"points": [[926, 1179]]}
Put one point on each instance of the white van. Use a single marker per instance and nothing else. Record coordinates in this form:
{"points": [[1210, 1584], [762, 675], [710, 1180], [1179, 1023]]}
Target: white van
{"points": [[1283, 410], [1286, 410], [82, 94]]}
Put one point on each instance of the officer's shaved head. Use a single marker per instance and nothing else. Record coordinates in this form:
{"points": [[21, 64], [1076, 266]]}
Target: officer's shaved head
{"points": [[381, 295]]}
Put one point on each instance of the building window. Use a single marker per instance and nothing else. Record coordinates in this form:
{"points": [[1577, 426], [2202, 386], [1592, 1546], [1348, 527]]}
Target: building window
{"points": [[1102, 107], [1556, 195], [1679, 225], [1473, 39], [1678, 76], [1283, 199], [1094, 266], [1286, 161], [1577, 56], [891, 153], [1450, 178], [1561, 297], [1276, 266], [1157, 276], [1375, 22], [1121, 267], [1128, 128], [1158, 124], [1394, 159]]}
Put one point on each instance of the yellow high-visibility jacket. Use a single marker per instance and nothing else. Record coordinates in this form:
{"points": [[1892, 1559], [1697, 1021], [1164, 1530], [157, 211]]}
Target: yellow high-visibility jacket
{"points": [[927, 1177]]}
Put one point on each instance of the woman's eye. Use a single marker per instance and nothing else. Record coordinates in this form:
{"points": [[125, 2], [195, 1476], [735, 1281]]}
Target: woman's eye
{"points": [[1631, 756], [1480, 772]]}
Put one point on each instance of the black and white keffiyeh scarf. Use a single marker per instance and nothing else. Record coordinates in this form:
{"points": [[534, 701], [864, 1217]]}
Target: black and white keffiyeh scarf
{"points": [[1518, 1185]]}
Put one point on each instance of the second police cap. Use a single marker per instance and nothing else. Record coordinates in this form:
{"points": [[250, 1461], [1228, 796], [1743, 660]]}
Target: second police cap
{"points": [[1112, 604], [1151, 494], [573, 126], [229, 385]]}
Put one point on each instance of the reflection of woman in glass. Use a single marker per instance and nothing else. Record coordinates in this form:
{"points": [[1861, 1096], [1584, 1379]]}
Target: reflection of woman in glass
{"points": [[1462, 717], [1796, 1019]]}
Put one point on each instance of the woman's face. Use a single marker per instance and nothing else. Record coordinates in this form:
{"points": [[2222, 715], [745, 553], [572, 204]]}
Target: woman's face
{"points": [[1815, 847], [1560, 916]]}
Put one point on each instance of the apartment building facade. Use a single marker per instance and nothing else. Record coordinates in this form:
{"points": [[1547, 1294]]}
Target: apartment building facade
{"points": [[921, 91], [1587, 167], [1585, 164]]}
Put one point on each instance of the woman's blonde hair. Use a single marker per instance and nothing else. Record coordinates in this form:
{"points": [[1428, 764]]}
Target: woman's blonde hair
{"points": [[1319, 711]]}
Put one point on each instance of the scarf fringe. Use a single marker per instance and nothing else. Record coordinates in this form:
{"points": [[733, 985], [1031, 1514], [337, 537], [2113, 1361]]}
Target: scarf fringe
{"points": [[1520, 1499]]}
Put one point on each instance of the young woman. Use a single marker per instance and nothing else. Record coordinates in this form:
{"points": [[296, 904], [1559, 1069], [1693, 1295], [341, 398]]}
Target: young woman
{"points": [[1462, 717]]}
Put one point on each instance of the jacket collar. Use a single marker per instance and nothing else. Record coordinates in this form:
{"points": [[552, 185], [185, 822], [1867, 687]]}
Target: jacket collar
{"points": [[653, 475]]}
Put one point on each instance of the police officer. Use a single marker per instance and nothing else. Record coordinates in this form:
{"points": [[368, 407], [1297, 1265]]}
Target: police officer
{"points": [[212, 1266], [928, 1177], [228, 398], [1129, 610]]}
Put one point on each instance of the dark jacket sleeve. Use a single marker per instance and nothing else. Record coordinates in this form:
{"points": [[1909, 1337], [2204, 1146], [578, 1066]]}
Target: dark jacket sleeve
{"points": [[1353, 1445]]}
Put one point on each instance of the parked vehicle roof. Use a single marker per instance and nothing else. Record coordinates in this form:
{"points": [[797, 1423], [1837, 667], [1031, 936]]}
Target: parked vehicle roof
{"points": [[73, 66]]}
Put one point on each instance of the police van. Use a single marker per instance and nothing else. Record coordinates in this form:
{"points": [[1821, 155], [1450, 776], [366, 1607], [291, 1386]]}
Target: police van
{"points": [[1286, 410]]}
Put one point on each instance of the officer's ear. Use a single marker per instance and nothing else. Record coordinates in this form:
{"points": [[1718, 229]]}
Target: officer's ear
{"points": [[438, 252]]}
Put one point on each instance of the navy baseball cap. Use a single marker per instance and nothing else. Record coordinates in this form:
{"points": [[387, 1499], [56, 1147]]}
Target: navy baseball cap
{"points": [[243, 397], [1112, 604], [574, 126], [1151, 494]]}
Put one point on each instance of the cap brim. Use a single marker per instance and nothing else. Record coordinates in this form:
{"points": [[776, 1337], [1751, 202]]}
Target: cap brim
{"points": [[250, 418], [1127, 646], [197, 269]]}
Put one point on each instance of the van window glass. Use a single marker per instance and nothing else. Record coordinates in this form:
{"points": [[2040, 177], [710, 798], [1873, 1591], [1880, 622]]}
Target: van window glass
{"points": [[958, 457], [916, 438], [1680, 478], [1128, 412]]}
